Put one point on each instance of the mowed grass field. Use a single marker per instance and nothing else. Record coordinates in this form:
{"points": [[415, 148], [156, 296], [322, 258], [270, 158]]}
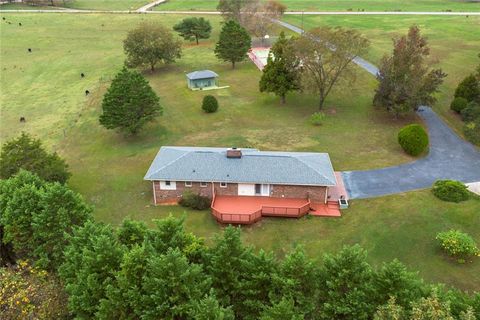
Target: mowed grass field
{"points": [[45, 86], [454, 45], [339, 5]]}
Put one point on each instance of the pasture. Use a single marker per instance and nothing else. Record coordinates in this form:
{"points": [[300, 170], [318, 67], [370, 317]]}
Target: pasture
{"points": [[45, 86]]}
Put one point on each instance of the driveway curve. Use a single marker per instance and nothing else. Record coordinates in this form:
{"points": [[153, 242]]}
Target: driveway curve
{"points": [[449, 157]]}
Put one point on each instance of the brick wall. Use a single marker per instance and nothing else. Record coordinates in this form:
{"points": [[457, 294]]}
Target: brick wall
{"points": [[281, 191], [168, 196], [316, 194]]}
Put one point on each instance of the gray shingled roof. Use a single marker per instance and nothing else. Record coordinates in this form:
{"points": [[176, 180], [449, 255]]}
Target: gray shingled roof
{"points": [[212, 165], [203, 74]]}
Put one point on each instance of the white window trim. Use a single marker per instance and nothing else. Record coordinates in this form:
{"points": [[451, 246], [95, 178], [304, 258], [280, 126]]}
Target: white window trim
{"points": [[165, 186], [188, 184], [203, 184], [224, 184]]}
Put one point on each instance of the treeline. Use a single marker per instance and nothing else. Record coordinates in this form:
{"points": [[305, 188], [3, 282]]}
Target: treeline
{"points": [[134, 272]]}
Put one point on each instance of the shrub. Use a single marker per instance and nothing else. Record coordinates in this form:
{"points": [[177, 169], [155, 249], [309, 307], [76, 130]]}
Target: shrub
{"points": [[195, 201], [472, 131], [458, 244], [458, 104], [413, 139], [317, 118], [450, 190], [469, 88], [209, 104], [471, 112]]}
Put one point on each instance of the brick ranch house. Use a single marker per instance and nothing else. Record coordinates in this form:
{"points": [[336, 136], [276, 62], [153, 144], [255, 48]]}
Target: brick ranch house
{"points": [[244, 184]]}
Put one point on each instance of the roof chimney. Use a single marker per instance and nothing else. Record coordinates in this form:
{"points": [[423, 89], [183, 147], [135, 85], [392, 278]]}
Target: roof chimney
{"points": [[234, 153]]}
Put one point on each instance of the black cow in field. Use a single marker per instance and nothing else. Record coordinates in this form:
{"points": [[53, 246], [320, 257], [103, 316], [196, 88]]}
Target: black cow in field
{"points": [[29, 50], [22, 119], [82, 75], [87, 92]]}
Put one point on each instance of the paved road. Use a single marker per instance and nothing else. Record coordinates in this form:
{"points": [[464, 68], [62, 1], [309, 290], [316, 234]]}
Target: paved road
{"points": [[450, 157], [146, 10]]}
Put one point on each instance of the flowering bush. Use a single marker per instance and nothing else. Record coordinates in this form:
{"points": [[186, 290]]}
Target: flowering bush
{"points": [[458, 244]]}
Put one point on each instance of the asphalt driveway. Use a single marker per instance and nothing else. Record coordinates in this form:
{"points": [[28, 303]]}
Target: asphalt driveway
{"points": [[450, 157]]}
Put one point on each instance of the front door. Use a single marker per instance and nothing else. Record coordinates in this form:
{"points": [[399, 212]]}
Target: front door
{"points": [[258, 189]]}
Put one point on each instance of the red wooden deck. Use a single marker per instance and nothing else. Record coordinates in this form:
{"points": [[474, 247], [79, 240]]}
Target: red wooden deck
{"points": [[249, 209], [331, 209]]}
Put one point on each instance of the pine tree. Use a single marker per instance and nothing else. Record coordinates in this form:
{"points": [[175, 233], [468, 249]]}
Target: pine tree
{"points": [[233, 43], [193, 29], [281, 75], [129, 103]]}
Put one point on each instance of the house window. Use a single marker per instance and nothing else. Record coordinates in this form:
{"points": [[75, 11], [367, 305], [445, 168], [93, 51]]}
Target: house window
{"points": [[223, 184], [188, 183], [168, 185], [203, 184]]}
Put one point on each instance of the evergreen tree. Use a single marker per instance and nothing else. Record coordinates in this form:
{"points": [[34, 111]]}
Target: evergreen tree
{"points": [[132, 232], [281, 75], [405, 80], [129, 103], [298, 280], [256, 285], [347, 290], [37, 216], [149, 44], [226, 265], [28, 153], [283, 310], [233, 43], [194, 28], [92, 258], [394, 280], [171, 286], [208, 308], [469, 88]]}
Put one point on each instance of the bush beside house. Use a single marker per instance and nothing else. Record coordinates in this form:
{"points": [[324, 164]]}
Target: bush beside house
{"points": [[450, 190], [195, 201], [413, 139]]}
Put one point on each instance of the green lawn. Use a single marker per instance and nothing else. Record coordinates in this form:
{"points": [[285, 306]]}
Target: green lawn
{"points": [[340, 5], [454, 43], [83, 4], [45, 86]]}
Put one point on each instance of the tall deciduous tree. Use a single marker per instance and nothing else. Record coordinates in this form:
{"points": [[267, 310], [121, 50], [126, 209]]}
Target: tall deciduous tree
{"points": [[28, 153], [38, 215], [149, 44], [258, 17], [326, 56], [281, 74], [129, 103], [406, 81], [232, 9], [233, 43], [194, 28]]}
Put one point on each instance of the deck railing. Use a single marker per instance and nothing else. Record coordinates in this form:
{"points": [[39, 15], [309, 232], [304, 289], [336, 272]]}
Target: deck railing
{"points": [[278, 211]]}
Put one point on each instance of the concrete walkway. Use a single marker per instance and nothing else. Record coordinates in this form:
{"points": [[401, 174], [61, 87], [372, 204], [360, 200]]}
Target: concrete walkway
{"points": [[450, 157]]}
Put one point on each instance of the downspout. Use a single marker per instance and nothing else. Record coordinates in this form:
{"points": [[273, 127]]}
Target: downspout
{"points": [[154, 195], [326, 194]]}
